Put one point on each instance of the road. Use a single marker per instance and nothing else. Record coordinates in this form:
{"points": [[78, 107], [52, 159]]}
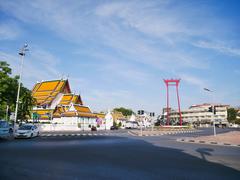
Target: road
{"points": [[116, 157]]}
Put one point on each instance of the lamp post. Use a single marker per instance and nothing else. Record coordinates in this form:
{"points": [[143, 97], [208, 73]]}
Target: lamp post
{"points": [[7, 109], [22, 54], [214, 128]]}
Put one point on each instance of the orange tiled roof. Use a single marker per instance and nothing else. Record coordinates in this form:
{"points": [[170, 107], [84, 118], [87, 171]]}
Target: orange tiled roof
{"points": [[81, 114], [118, 115], [82, 109], [44, 113], [46, 91], [67, 99]]}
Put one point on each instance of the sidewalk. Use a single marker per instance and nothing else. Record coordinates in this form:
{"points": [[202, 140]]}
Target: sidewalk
{"points": [[226, 139]]}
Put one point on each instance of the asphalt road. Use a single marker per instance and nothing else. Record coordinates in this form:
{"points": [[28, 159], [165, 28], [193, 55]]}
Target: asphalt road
{"points": [[112, 157]]}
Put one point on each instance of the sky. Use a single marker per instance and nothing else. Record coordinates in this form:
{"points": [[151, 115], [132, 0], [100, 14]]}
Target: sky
{"points": [[117, 53]]}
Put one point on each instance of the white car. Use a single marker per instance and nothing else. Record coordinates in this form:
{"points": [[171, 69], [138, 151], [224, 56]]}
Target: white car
{"points": [[131, 125], [27, 131], [6, 130]]}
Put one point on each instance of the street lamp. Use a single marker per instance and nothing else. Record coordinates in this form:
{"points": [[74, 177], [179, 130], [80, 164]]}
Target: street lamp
{"points": [[214, 128], [22, 54]]}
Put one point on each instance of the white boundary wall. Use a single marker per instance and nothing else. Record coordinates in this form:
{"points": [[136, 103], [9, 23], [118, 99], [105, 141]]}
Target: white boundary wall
{"points": [[57, 127]]}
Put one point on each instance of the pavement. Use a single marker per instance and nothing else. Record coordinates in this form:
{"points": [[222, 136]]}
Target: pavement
{"points": [[120, 156], [226, 139]]}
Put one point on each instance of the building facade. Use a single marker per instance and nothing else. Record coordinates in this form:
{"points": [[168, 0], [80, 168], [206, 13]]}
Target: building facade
{"points": [[199, 114]]}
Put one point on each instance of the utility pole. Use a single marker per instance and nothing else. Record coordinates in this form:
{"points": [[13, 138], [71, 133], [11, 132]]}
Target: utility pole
{"points": [[22, 54], [214, 127], [212, 110]]}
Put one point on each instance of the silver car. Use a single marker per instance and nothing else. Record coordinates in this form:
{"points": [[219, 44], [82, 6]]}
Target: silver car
{"points": [[6, 130]]}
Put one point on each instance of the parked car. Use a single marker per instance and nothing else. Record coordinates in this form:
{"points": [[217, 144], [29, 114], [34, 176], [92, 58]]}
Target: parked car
{"points": [[114, 128], [93, 128], [6, 129], [132, 125], [27, 131]]}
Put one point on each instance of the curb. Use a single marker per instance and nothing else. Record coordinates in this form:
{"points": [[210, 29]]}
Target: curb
{"points": [[207, 142], [163, 133]]}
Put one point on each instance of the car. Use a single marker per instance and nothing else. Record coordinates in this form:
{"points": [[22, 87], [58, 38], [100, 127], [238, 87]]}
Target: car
{"points": [[27, 131], [131, 125], [93, 128], [6, 129], [114, 128]]}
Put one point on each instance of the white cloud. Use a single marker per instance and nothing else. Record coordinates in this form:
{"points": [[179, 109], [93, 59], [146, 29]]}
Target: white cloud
{"points": [[193, 80], [9, 31], [130, 39], [38, 63], [118, 25], [219, 47]]}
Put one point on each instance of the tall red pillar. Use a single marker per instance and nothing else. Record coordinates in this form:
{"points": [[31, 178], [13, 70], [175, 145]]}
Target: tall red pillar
{"points": [[173, 82]]}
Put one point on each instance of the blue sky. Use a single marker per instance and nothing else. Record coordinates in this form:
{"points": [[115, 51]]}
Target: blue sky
{"points": [[117, 53]]}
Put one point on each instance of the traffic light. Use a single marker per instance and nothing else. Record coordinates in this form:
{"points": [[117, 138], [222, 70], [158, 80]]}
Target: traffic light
{"points": [[140, 112], [214, 110], [210, 109], [152, 114]]}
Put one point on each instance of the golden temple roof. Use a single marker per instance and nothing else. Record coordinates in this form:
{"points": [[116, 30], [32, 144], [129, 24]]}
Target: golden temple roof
{"points": [[67, 99], [43, 113], [100, 115], [45, 92]]}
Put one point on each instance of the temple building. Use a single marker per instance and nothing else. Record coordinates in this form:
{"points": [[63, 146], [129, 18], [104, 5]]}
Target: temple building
{"points": [[56, 103]]}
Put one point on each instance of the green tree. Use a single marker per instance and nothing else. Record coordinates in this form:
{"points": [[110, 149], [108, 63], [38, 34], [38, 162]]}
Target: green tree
{"points": [[26, 104], [231, 115], [8, 93], [114, 123], [119, 124], [124, 111], [8, 87]]}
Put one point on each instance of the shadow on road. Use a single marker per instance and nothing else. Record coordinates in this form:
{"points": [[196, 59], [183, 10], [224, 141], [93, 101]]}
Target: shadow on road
{"points": [[204, 152], [105, 158]]}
